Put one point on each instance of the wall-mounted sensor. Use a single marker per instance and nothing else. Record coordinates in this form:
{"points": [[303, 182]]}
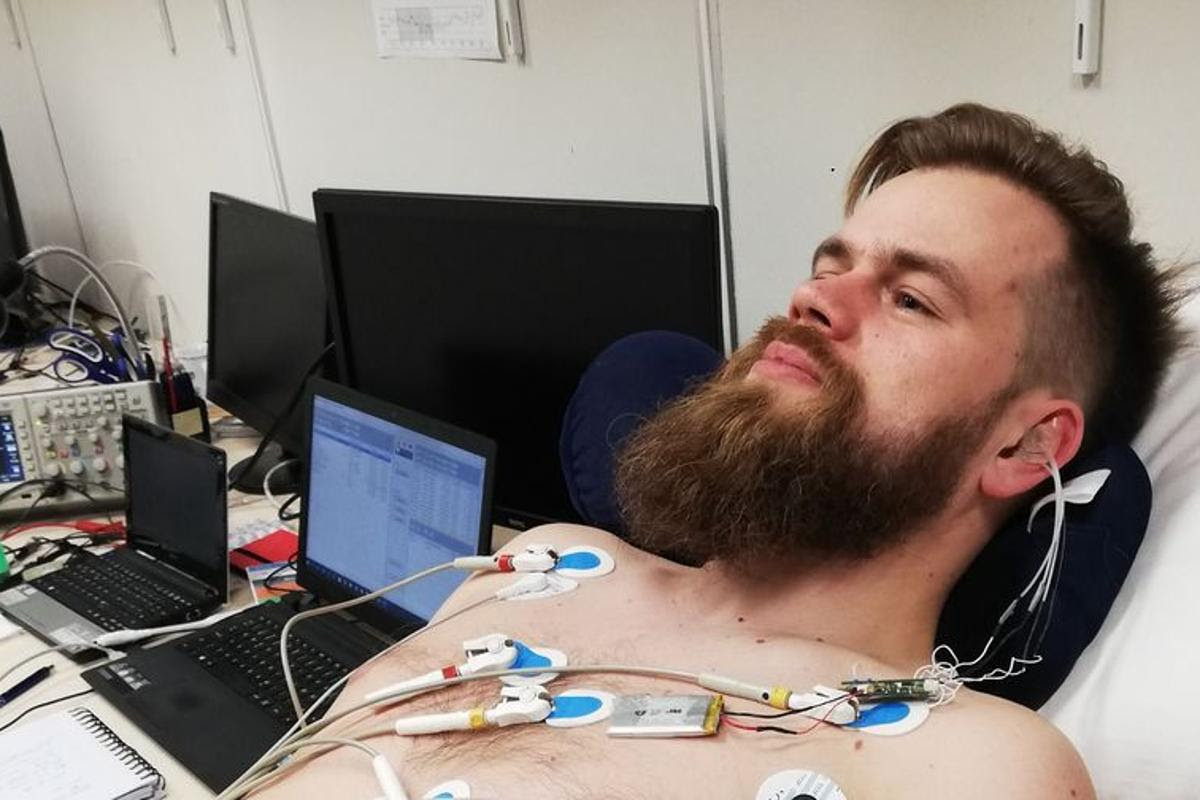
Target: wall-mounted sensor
{"points": [[1085, 52]]}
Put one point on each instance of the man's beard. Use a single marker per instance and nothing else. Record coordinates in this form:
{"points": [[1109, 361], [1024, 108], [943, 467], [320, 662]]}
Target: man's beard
{"points": [[731, 472]]}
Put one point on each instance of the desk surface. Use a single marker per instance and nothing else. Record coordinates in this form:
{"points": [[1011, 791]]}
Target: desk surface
{"points": [[66, 678]]}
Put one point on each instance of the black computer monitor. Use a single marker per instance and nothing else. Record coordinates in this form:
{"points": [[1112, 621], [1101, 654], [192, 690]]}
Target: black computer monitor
{"points": [[13, 244], [267, 324], [485, 311]]}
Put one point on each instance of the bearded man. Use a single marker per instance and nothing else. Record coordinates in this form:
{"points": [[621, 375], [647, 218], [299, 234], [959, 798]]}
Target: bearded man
{"points": [[981, 312]]}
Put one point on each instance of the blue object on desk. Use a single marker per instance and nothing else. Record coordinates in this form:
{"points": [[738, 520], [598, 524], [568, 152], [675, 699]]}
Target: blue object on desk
{"points": [[85, 357], [25, 685]]}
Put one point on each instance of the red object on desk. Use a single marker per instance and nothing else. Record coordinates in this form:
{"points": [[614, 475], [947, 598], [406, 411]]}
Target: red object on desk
{"points": [[274, 547]]}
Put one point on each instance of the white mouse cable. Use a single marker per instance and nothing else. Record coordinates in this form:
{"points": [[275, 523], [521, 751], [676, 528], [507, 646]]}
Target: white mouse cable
{"points": [[116, 638]]}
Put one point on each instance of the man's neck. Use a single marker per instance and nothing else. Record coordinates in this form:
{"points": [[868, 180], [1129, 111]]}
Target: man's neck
{"points": [[885, 607]]}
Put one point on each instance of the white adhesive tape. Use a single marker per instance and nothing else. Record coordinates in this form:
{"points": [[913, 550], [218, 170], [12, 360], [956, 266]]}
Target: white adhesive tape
{"points": [[795, 784]]}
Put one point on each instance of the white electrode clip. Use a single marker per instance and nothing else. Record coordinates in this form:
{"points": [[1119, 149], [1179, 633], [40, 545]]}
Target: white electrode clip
{"points": [[534, 558], [489, 653], [518, 705]]}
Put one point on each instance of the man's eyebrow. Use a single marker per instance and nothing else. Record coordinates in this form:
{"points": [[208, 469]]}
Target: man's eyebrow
{"points": [[834, 247], [941, 269]]}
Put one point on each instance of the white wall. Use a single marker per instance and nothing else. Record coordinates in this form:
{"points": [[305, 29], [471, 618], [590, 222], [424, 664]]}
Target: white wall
{"points": [[607, 106], [808, 84], [145, 134], [41, 184]]}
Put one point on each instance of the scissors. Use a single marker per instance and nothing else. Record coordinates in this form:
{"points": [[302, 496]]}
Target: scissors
{"points": [[87, 357]]}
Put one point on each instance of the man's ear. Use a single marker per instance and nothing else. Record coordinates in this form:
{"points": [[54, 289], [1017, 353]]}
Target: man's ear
{"points": [[1050, 429]]}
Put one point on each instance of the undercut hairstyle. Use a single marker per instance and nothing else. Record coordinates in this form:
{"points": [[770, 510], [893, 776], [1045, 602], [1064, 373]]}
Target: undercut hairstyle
{"points": [[1100, 328]]}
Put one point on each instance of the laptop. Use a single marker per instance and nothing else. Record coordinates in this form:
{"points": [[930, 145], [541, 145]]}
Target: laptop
{"points": [[173, 567], [387, 493]]}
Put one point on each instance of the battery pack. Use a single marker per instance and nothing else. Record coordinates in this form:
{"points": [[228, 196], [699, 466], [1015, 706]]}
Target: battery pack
{"points": [[657, 716]]}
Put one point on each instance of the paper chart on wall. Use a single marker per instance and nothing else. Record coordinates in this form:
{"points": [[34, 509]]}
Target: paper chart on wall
{"points": [[437, 28]]}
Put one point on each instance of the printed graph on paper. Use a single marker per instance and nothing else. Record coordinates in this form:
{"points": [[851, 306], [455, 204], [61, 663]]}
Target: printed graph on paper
{"points": [[437, 28]]}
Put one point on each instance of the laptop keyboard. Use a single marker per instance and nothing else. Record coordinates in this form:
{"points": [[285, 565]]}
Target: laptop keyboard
{"points": [[114, 596], [243, 653]]}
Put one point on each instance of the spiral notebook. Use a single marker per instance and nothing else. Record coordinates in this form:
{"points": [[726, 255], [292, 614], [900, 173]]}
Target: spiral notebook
{"points": [[72, 755]]}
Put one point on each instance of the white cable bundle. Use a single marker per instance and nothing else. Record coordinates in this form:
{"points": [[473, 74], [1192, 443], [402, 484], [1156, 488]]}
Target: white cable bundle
{"points": [[946, 670]]}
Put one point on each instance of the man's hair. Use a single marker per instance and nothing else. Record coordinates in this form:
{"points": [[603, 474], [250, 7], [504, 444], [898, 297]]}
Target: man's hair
{"points": [[1101, 327]]}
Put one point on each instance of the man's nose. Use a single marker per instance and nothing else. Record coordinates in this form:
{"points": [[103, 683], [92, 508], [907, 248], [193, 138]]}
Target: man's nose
{"points": [[835, 305]]}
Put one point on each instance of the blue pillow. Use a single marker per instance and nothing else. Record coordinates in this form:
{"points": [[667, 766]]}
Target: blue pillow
{"points": [[636, 375], [626, 383]]}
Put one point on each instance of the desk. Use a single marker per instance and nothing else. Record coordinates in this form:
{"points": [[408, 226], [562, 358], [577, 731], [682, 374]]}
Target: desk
{"points": [[66, 678]]}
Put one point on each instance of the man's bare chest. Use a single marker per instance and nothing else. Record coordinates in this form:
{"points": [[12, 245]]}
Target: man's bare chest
{"points": [[604, 630]]}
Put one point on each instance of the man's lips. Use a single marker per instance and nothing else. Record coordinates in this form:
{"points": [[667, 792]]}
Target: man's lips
{"points": [[787, 361]]}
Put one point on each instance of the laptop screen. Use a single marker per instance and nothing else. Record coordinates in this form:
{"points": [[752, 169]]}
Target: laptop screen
{"points": [[390, 495], [177, 509]]}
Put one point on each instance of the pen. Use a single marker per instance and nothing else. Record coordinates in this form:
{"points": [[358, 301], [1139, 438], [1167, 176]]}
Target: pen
{"points": [[25, 685]]}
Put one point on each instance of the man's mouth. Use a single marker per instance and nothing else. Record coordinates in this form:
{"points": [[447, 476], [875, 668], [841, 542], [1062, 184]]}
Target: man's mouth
{"points": [[787, 362]]}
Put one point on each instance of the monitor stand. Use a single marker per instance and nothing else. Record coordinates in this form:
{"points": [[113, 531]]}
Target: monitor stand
{"points": [[286, 480]]}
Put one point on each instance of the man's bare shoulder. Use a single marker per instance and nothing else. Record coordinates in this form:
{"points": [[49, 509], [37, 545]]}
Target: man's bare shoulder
{"points": [[562, 535], [992, 748]]}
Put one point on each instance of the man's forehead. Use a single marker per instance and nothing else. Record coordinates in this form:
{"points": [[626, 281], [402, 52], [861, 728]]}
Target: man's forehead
{"points": [[993, 230]]}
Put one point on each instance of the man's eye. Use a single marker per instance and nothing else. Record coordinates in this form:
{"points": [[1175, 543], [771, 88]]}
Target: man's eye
{"points": [[909, 302]]}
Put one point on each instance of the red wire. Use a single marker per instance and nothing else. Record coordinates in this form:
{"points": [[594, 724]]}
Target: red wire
{"points": [[734, 724], [821, 721], [759, 728], [81, 525], [169, 374]]}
